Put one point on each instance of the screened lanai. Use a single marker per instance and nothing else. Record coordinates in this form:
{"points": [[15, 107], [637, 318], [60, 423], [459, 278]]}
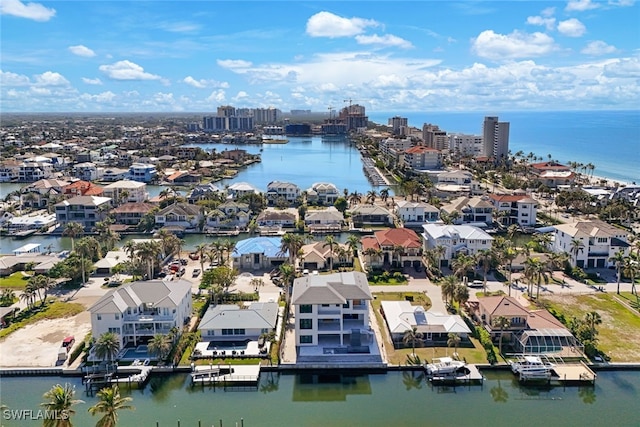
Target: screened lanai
{"points": [[557, 341]]}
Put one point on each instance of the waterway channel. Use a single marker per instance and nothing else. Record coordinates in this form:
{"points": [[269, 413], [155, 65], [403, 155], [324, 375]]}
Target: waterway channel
{"points": [[391, 399]]}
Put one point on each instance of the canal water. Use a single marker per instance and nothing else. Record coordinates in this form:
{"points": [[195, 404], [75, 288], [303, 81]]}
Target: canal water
{"points": [[392, 399]]}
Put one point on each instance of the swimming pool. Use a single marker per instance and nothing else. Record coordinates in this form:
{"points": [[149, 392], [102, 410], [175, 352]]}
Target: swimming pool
{"points": [[227, 345], [140, 352]]}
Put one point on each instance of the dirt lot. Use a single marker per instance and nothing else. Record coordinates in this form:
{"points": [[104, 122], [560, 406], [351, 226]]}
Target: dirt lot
{"points": [[37, 344]]}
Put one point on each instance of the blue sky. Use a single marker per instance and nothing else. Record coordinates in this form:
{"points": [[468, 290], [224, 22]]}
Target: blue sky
{"points": [[181, 56]]}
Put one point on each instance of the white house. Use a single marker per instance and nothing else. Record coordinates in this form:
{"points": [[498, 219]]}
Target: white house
{"points": [[126, 191], [332, 312], [323, 193], [469, 210], [590, 244], [87, 210], [181, 215], [137, 311], [455, 239], [329, 219], [87, 171], [228, 322], [435, 328], [31, 171], [240, 189], [142, 172], [286, 191], [515, 209], [416, 213]]}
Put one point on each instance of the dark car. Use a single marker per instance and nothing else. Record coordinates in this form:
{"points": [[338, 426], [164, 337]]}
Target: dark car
{"points": [[184, 261]]}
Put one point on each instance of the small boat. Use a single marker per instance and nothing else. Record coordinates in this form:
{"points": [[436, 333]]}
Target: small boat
{"points": [[531, 367], [444, 366]]}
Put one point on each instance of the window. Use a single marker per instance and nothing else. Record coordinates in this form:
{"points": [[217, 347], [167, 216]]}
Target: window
{"points": [[99, 317], [306, 308], [117, 316], [306, 323], [345, 305], [306, 339], [238, 331]]}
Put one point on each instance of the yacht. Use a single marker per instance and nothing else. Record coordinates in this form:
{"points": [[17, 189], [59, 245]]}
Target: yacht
{"points": [[532, 367], [444, 366]]}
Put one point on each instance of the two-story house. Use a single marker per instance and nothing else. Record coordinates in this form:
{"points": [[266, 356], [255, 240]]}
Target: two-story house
{"points": [[414, 214], [87, 171], [321, 256], [86, 210], [228, 322], [142, 172], [204, 192], [229, 215], [469, 210], [258, 253], [131, 213], [282, 191], [137, 311], [332, 317], [277, 218], [126, 191], [517, 209], [324, 220], [455, 239], [31, 171], [590, 244], [370, 215], [323, 193], [395, 246], [180, 216]]}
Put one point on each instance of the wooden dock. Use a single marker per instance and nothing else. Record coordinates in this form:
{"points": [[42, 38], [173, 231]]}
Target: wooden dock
{"points": [[573, 372], [226, 376], [472, 376]]}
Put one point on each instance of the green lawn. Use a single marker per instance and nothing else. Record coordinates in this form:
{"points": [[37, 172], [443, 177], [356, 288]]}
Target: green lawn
{"points": [[16, 281], [617, 337]]}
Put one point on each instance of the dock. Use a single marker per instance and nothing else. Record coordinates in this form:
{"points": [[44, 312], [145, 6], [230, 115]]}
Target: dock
{"points": [[226, 376], [573, 372], [471, 376]]}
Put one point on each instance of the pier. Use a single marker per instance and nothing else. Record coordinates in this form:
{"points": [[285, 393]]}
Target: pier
{"points": [[226, 376], [372, 172], [472, 375]]}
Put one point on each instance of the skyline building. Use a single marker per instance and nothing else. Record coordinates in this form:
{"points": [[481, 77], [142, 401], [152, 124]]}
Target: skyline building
{"points": [[495, 136]]}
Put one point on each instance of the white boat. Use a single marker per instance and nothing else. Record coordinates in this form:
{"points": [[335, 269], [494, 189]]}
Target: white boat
{"points": [[532, 367], [444, 366]]}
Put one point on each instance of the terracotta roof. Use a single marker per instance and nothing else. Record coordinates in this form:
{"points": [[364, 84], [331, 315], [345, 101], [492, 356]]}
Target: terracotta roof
{"points": [[398, 236], [419, 149], [550, 166], [503, 306], [368, 242]]}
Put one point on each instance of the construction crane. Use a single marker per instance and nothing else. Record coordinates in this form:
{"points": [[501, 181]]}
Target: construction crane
{"points": [[330, 108]]}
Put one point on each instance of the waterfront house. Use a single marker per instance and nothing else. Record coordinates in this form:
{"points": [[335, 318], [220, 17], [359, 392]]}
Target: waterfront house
{"points": [[87, 171], [39, 193], [414, 214], [142, 172], [517, 209], [229, 215], [184, 177], [529, 331], [33, 221], [126, 191], [279, 218], [327, 220], [82, 188], [258, 253], [393, 246], [552, 174], [319, 256], [370, 215], [332, 318], [115, 174], [18, 262], [86, 210], [590, 244], [421, 158], [35, 169], [240, 189], [279, 192], [229, 322], [476, 211], [455, 239], [9, 170], [139, 310], [204, 192], [180, 217], [322, 193], [131, 213], [402, 316]]}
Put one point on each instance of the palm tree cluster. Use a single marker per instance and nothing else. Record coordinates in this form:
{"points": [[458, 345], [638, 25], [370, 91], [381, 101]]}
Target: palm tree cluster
{"points": [[585, 330], [146, 256], [453, 291], [37, 286]]}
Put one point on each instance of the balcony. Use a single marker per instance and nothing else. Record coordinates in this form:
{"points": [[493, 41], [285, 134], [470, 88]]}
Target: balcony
{"points": [[328, 311], [147, 318]]}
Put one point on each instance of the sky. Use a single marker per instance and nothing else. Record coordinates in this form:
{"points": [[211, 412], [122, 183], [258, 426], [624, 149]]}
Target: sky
{"points": [[193, 56]]}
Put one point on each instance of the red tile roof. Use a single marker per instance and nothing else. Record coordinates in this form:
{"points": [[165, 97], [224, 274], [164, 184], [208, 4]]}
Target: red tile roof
{"points": [[419, 149], [398, 237]]}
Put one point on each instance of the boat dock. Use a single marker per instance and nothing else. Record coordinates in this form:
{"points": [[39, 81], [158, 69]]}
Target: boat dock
{"points": [[137, 378], [472, 375], [372, 172], [573, 372], [226, 376]]}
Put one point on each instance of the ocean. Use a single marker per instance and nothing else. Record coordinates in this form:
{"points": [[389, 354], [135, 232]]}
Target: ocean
{"points": [[610, 140]]}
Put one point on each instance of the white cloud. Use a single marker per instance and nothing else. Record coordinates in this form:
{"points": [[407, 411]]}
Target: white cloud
{"points": [[233, 63], [81, 50], [202, 83], [518, 44], [95, 81], [572, 28], [598, 47], [12, 79], [180, 27], [127, 70], [385, 40], [326, 24], [50, 78], [581, 5], [34, 11], [216, 96], [101, 98], [548, 22]]}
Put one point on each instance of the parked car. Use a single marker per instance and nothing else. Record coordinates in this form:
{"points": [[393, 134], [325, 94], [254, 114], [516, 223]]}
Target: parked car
{"points": [[183, 261], [194, 256], [476, 284], [196, 272]]}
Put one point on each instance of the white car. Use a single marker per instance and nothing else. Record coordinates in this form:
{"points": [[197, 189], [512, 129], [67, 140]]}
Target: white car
{"points": [[476, 284]]}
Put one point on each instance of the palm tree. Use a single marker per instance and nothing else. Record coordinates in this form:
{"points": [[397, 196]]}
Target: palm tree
{"points": [[291, 244], [331, 242], [148, 252], [535, 271], [288, 275], [448, 287], [73, 230], [576, 247], [60, 401], [201, 251], [453, 341], [397, 252], [110, 404], [372, 254], [160, 345], [618, 260], [592, 319], [484, 258], [501, 323], [354, 198], [371, 196], [384, 194], [412, 336], [88, 247], [508, 255], [461, 265], [352, 243], [107, 346], [461, 295], [630, 270]]}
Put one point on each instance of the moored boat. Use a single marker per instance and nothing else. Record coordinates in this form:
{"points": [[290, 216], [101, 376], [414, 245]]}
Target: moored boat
{"points": [[531, 367], [444, 366]]}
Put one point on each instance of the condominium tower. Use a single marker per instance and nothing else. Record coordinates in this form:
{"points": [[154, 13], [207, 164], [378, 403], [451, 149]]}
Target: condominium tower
{"points": [[495, 138]]}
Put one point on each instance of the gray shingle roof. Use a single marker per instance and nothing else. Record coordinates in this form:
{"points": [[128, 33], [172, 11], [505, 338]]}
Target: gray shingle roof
{"points": [[334, 288]]}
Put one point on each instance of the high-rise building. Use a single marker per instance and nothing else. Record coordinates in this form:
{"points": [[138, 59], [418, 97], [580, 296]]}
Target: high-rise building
{"points": [[495, 138], [354, 117], [399, 125], [434, 137]]}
